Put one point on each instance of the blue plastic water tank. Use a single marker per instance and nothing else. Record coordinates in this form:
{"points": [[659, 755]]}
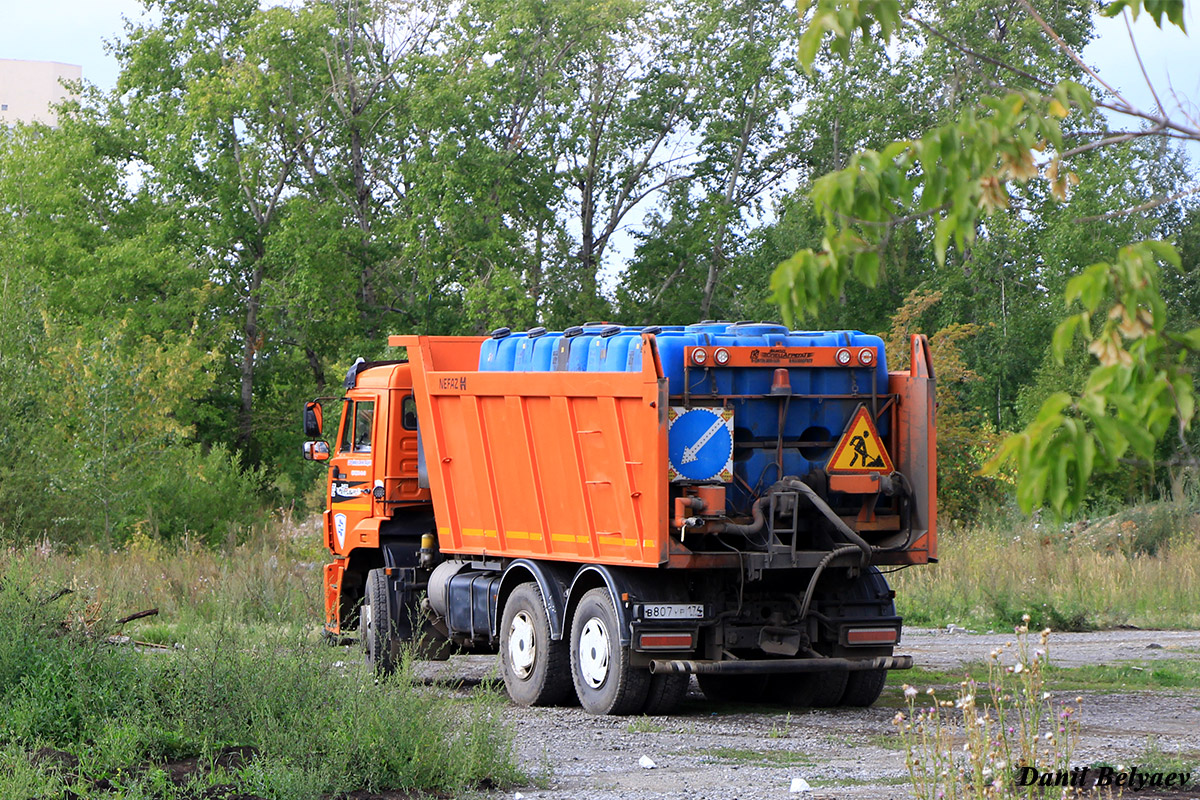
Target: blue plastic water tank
{"points": [[497, 353], [609, 352], [633, 359], [524, 361]]}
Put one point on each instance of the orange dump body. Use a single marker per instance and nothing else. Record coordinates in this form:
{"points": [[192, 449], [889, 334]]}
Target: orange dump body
{"points": [[566, 466], [572, 466], [916, 447]]}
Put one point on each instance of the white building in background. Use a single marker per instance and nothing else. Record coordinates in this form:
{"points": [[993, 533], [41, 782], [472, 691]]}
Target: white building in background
{"points": [[29, 88]]}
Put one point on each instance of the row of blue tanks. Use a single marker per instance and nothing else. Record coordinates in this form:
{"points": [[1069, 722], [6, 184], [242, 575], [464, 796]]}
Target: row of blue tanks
{"points": [[815, 412]]}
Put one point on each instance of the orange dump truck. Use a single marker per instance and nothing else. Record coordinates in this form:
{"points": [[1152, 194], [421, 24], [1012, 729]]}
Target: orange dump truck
{"points": [[614, 509]]}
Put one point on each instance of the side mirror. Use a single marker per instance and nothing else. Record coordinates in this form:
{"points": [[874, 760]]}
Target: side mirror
{"points": [[312, 420], [315, 451]]}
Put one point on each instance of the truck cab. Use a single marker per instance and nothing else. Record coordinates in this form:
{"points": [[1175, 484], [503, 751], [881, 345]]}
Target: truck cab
{"points": [[376, 512]]}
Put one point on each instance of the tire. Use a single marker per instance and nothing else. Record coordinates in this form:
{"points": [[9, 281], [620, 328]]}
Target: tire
{"points": [[377, 629], [808, 689], [666, 692], [604, 680], [734, 688], [535, 668], [863, 688]]}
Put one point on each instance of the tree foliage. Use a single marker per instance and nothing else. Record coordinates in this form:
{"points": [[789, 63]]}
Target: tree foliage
{"points": [[952, 179], [270, 191]]}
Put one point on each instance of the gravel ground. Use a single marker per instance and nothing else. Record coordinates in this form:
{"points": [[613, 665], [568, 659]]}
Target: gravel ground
{"points": [[727, 753]]}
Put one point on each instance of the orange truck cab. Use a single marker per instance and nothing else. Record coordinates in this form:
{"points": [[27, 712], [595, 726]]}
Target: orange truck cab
{"points": [[615, 509]]}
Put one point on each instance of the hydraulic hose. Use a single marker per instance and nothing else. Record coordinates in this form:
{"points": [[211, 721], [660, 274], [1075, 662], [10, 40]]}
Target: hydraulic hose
{"points": [[754, 527], [812, 582], [831, 515]]}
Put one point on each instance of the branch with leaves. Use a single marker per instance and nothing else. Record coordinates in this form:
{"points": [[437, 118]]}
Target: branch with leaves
{"points": [[949, 181]]}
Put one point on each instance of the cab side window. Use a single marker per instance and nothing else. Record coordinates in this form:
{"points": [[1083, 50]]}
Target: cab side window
{"points": [[408, 413], [364, 415], [347, 427]]}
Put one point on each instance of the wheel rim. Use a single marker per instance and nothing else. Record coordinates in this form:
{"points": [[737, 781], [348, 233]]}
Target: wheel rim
{"points": [[593, 653], [368, 628], [522, 646]]}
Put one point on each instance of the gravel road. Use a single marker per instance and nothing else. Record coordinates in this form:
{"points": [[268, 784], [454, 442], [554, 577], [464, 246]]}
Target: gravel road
{"points": [[727, 752]]}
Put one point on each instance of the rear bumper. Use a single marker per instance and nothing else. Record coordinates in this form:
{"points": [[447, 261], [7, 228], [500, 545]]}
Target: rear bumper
{"points": [[776, 665]]}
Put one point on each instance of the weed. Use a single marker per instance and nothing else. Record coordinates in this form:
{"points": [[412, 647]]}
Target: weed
{"points": [[645, 725], [1154, 759], [1016, 724], [783, 732]]}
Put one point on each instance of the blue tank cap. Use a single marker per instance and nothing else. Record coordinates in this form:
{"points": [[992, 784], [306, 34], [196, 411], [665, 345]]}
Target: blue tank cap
{"points": [[574, 330], [610, 330], [533, 333], [653, 330], [500, 333]]}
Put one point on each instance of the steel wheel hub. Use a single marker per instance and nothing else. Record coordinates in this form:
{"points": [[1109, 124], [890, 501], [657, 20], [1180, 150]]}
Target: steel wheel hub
{"points": [[593, 653], [522, 646]]}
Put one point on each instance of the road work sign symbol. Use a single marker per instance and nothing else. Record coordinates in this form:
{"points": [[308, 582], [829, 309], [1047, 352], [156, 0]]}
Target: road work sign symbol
{"points": [[860, 449]]}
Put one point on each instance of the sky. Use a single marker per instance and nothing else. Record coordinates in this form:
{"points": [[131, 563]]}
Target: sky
{"points": [[74, 32]]}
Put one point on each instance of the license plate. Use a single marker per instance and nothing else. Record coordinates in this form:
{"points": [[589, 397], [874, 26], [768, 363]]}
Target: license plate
{"points": [[673, 611]]}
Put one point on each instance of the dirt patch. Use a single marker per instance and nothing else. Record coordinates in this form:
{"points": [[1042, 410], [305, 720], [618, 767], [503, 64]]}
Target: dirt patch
{"points": [[753, 753]]}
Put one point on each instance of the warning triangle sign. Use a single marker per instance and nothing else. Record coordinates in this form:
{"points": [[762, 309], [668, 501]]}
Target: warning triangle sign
{"points": [[860, 449]]}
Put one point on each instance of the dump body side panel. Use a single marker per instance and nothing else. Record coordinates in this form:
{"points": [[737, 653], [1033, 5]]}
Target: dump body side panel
{"points": [[558, 465], [917, 446]]}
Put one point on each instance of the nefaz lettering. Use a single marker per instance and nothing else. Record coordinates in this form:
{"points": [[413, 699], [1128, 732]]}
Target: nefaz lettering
{"points": [[341, 491], [457, 383], [778, 355]]}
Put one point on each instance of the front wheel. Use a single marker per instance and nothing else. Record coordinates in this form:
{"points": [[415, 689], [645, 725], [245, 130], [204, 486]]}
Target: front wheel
{"points": [[604, 679], [377, 627], [533, 665]]}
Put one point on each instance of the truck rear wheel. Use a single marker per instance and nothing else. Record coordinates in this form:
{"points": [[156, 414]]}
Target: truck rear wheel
{"points": [[864, 687], [666, 692], [377, 627], [734, 688], [604, 679], [534, 666], [808, 689]]}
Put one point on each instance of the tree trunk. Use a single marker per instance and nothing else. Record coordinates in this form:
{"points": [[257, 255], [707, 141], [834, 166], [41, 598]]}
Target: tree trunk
{"points": [[318, 371], [249, 350]]}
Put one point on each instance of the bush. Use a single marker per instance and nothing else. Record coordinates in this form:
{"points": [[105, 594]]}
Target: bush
{"points": [[313, 727], [207, 494]]}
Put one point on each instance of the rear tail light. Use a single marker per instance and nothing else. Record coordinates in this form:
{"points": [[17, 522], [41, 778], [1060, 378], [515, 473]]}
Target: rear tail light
{"points": [[699, 356], [866, 357], [721, 356], [842, 356], [866, 636], [666, 641]]}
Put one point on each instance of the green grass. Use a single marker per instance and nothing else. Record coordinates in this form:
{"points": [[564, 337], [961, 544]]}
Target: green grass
{"points": [[1154, 759], [1140, 567], [763, 758], [1132, 676], [248, 676]]}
